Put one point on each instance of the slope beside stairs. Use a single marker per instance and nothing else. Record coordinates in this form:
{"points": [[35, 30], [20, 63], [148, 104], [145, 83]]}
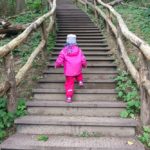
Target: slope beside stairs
{"points": [[92, 121]]}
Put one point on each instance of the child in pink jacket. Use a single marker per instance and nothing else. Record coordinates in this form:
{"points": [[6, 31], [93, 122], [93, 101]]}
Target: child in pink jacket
{"points": [[73, 59]]}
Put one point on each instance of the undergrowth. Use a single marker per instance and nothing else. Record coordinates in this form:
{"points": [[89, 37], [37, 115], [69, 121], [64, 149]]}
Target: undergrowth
{"points": [[145, 136], [137, 20], [7, 118], [128, 92]]}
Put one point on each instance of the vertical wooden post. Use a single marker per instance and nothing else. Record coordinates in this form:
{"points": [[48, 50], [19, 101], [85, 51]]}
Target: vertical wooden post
{"points": [[86, 7], [95, 11], [54, 19], [107, 25], [10, 75], [145, 98], [44, 37], [76, 1]]}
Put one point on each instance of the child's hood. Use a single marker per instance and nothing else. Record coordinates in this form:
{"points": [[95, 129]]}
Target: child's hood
{"points": [[71, 50]]}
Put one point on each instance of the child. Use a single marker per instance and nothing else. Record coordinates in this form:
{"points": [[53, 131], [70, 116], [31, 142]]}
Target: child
{"points": [[73, 59]]}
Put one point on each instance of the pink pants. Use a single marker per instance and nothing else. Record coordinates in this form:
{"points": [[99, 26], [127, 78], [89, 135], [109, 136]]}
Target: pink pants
{"points": [[69, 84]]}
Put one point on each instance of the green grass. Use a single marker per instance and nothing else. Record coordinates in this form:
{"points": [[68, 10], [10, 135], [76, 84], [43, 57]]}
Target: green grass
{"points": [[137, 20], [25, 18]]}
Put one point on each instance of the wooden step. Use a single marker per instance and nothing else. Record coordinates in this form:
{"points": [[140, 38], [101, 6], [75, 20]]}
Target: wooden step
{"points": [[30, 142], [90, 65], [83, 41], [88, 84], [76, 125], [92, 45], [91, 59], [84, 37], [96, 51], [81, 34], [93, 76], [94, 109], [85, 71], [79, 94]]}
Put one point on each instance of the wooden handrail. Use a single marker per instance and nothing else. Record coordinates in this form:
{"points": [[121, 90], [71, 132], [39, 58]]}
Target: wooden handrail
{"points": [[5, 51], [142, 45], [142, 76]]}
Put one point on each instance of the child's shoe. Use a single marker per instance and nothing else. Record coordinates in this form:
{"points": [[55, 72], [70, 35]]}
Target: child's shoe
{"points": [[69, 100], [81, 83]]}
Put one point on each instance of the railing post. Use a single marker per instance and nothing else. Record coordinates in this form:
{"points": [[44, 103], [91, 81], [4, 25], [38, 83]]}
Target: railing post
{"points": [[76, 2], [10, 78], [54, 19], [44, 37], [95, 11], [86, 7], [145, 97], [107, 25]]}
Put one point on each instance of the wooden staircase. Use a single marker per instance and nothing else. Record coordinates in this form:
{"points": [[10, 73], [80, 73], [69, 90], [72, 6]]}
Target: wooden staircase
{"points": [[95, 110]]}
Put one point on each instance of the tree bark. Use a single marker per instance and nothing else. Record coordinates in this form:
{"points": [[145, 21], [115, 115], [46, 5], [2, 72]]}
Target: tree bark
{"points": [[9, 65], [139, 43], [4, 23], [4, 50], [12, 30], [115, 2]]}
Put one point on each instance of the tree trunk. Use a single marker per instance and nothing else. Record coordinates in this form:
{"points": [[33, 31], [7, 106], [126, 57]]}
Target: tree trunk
{"points": [[13, 29], [9, 65], [20, 5], [115, 2]]}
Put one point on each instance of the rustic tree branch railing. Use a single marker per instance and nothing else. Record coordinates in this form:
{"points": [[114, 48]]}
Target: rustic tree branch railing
{"points": [[141, 76], [6, 52]]}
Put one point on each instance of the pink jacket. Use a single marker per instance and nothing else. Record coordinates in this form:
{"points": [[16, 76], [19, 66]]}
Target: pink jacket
{"points": [[73, 59]]}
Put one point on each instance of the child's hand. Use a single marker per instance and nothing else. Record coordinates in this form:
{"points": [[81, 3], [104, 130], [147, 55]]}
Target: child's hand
{"points": [[84, 66]]}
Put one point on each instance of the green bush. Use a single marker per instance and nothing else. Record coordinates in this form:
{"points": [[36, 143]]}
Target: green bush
{"points": [[34, 5], [7, 118], [145, 137], [127, 91]]}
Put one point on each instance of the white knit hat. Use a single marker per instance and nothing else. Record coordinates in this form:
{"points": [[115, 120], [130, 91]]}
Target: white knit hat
{"points": [[71, 39]]}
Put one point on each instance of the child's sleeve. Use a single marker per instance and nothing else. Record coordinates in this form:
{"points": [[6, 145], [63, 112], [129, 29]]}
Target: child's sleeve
{"points": [[60, 60], [84, 62]]}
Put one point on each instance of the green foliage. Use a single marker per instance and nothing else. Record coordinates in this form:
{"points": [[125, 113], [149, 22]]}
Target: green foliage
{"points": [[28, 17], [133, 58], [34, 5], [42, 138], [85, 134], [7, 118], [21, 108], [51, 41], [145, 137], [25, 50], [127, 91], [137, 19]]}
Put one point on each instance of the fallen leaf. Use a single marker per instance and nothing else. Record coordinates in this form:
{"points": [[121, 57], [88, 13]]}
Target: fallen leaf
{"points": [[130, 143]]}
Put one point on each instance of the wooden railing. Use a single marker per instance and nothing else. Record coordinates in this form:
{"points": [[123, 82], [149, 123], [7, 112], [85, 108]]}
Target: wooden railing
{"points": [[12, 80], [141, 75]]}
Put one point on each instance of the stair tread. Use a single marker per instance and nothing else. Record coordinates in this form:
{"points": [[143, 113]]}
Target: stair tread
{"points": [[93, 65], [29, 141], [87, 52], [95, 104], [87, 44], [44, 80], [92, 59], [76, 120], [85, 72], [88, 91]]}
